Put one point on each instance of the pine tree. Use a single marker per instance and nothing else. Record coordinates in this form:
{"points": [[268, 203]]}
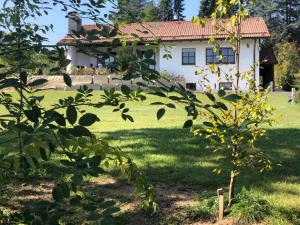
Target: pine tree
{"points": [[178, 9], [150, 12], [128, 11], [166, 10], [206, 8], [282, 18]]}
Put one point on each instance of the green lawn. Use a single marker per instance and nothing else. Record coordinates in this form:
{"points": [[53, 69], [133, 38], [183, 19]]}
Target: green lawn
{"points": [[169, 154]]}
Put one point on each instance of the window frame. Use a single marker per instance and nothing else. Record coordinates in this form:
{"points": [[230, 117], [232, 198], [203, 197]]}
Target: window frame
{"points": [[188, 85], [225, 89], [188, 57], [215, 54]]}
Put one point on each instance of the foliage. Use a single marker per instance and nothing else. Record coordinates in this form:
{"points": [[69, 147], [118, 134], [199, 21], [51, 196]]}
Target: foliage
{"points": [[208, 7], [130, 11], [166, 10], [250, 208], [282, 17], [207, 207], [178, 9], [31, 134], [288, 67], [150, 12]]}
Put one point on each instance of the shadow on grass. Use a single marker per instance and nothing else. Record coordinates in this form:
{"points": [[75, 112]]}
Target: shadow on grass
{"points": [[174, 155]]}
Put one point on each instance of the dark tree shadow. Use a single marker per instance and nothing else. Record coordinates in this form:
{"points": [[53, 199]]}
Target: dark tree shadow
{"points": [[188, 160]]}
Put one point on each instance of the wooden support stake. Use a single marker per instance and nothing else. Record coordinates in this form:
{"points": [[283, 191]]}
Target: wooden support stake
{"points": [[221, 203], [293, 97]]}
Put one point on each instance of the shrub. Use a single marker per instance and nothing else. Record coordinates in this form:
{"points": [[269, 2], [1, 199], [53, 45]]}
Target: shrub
{"points": [[250, 208], [207, 208], [288, 66]]}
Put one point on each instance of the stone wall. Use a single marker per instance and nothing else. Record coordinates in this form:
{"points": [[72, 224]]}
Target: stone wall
{"points": [[95, 82]]}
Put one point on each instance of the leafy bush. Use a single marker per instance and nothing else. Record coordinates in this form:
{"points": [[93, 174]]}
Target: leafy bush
{"points": [[288, 66], [250, 208], [207, 208]]}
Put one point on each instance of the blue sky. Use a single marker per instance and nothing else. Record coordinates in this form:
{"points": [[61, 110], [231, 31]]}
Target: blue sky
{"points": [[57, 18]]}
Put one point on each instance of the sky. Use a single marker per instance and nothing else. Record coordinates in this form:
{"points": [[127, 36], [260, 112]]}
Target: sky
{"points": [[57, 18]]}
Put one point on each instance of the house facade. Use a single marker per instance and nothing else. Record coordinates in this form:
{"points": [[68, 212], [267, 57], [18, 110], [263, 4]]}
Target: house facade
{"points": [[188, 44]]}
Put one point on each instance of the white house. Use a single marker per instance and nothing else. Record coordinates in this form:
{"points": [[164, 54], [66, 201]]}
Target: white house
{"points": [[188, 44]]}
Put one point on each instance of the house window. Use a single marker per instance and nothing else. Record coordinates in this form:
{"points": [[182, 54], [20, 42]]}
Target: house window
{"points": [[221, 56], [110, 59], [227, 86], [188, 56], [191, 86]]}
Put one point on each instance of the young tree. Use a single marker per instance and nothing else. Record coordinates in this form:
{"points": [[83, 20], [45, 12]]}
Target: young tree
{"points": [[178, 9], [166, 10], [233, 122]]}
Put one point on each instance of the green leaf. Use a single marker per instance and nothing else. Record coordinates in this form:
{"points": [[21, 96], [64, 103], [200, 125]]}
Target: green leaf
{"points": [[148, 54], [23, 77], [222, 106], [95, 161], [160, 113], [43, 154], [37, 82], [80, 131], [89, 207], [67, 80], [88, 119], [71, 114], [232, 98], [125, 90], [208, 124], [170, 105], [32, 115], [77, 179], [75, 200], [188, 124], [221, 93], [210, 96], [57, 194]]}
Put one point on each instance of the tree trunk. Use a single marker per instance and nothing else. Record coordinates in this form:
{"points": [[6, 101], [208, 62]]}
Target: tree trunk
{"points": [[231, 188]]}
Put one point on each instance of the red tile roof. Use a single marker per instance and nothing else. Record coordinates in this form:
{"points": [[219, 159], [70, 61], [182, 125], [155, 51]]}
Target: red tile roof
{"points": [[254, 27]]}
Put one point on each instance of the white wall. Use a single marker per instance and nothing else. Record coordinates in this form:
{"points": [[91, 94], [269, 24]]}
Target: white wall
{"points": [[174, 66]]}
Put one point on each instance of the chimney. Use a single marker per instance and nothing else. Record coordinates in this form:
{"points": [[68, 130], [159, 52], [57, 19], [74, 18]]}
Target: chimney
{"points": [[74, 22]]}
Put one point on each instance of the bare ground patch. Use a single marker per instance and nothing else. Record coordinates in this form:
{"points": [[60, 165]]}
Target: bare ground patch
{"points": [[174, 199]]}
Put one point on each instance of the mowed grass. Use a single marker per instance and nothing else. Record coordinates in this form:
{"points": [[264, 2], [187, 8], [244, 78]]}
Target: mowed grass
{"points": [[170, 154]]}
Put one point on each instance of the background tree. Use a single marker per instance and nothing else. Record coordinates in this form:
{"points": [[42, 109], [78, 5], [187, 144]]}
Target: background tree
{"points": [[128, 11], [282, 18], [166, 10], [150, 12], [288, 65], [207, 7], [178, 9]]}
